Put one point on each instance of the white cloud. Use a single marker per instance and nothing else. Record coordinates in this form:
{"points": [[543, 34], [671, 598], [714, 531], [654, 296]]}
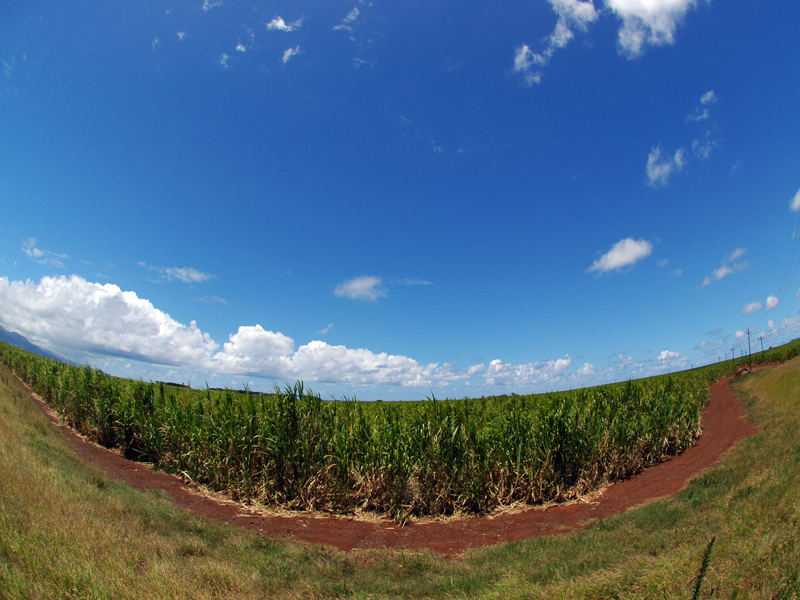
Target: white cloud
{"points": [[414, 281], [349, 21], [85, 320], [738, 253], [572, 15], [213, 300], [795, 203], [587, 370], [677, 272], [668, 355], [240, 47], [702, 114], [71, 313], [524, 61], [728, 267], [223, 60], [622, 254], [289, 53], [647, 22], [752, 308], [278, 24], [510, 375], [209, 4], [659, 169], [772, 302], [325, 330], [184, 274], [181, 35], [362, 288], [663, 262], [709, 98], [703, 149], [740, 333], [43, 257]]}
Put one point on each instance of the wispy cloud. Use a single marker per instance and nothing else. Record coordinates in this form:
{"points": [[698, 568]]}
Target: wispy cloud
{"points": [[751, 308], [572, 15], [795, 203], [350, 21], [278, 24], [625, 252], [325, 330], [661, 167], [367, 288], [702, 112], [647, 22], [223, 60], [414, 281], [43, 257], [289, 53], [213, 300], [728, 267], [209, 4], [184, 274]]}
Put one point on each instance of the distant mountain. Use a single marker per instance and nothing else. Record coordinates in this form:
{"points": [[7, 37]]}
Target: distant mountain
{"points": [[16, 339]]}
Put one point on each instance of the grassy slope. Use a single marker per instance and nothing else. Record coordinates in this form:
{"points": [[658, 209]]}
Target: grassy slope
{"points": [[68, 531]]}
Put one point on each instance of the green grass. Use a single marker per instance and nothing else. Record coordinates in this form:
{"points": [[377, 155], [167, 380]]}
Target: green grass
{"points": [[67, 531]]}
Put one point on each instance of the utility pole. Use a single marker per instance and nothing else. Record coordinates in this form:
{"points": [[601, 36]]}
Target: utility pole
{"points": [[749, 354], [761, 339], [733, 356]]}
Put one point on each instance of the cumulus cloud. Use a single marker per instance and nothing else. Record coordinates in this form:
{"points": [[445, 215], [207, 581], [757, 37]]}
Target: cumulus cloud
{"points": [[624, 253], [289, 53], [366, 288], [572, 15], [661, 167], [82, 319], [751, 308], [668, 355], [43, 257], [507, 374], [587, 371], [728, 267], [647, 22], [184, 274], [350, 21], [278, 24], [772, 302], [795, 203], [72, 313]]}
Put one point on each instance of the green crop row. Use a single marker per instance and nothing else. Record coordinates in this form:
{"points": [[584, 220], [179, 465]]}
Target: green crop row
{"points": [[296, 450]]}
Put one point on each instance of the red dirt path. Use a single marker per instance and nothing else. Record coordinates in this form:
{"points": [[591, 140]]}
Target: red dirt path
{"points": [[724, 423]]}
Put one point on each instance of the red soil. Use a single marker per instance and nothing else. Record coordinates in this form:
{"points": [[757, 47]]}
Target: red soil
{"points": [[724, 423]]}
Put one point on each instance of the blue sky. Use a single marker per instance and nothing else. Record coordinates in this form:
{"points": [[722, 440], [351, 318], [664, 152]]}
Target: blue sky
{"points": [[391, 200]]}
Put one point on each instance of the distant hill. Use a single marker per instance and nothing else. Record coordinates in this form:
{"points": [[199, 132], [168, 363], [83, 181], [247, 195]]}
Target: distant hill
{"points": [[16, 339]]}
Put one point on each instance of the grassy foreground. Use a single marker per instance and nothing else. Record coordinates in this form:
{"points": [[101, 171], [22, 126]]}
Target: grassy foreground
{"points": [[66, 531]]}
